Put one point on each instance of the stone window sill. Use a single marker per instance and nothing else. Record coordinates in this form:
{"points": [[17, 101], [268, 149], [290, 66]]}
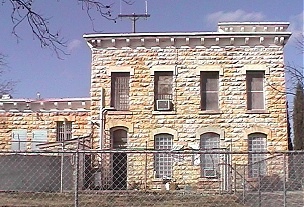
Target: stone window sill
{"points": [[261, 111], [209, 112], [163, 112], [204, 179], [119, 112]]}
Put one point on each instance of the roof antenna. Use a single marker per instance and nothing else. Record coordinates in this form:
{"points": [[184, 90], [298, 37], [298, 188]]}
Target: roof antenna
{"points": [[134, 17], [38, 96]]}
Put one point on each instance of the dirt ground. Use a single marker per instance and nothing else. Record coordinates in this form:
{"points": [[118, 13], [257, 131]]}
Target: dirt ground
{"points": [[111, 199]]}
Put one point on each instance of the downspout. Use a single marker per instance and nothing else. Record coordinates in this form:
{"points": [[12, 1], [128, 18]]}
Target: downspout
{"points": [[102, 113]]}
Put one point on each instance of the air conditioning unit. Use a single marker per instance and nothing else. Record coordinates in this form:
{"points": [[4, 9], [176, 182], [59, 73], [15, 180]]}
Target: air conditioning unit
{"points": [[210, 173], [163, 105]]}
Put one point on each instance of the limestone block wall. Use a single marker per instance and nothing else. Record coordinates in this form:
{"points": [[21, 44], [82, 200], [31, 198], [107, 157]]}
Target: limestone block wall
{"points": [[187, 120], [31, 121]]}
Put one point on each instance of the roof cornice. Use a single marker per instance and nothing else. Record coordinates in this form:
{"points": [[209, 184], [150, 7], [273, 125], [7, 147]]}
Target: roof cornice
{"points": [[191, 39], [228, 34]]}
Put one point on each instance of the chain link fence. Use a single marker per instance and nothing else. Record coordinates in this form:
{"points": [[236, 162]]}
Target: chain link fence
{"points": [[151, 178]]}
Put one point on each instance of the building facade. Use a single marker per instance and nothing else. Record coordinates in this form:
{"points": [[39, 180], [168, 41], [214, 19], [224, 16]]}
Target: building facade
{"points": [[29, 125], [215, 92], [194, 90]]}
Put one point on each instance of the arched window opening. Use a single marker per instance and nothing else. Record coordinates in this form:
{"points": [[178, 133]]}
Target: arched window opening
{"points": [[210, 162], [256, 158], [163, 162]]}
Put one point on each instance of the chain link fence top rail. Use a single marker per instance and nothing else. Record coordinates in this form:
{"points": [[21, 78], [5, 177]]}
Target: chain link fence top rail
{"points": [[152, 178]]}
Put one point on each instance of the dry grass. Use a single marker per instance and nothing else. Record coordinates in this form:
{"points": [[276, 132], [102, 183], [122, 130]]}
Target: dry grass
{"points": [[109, 199]]}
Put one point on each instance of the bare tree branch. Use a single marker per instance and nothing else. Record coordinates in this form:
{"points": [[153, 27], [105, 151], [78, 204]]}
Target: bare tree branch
{"points": [[23, 11], [6, 86]]}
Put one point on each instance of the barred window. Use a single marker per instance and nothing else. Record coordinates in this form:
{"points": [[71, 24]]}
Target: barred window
{"points": [[209, 162], [255, 90], [162, 161], [63, 130], [120, 91], [257, 162], [209, 90]]}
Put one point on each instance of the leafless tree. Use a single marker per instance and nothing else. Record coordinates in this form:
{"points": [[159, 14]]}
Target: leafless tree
{"points": [[23, 11], [295, 72], [6, 86]]}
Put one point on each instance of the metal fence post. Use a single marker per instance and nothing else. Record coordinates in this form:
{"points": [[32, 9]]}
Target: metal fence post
{"points": [[61, 169], [244, 185], [284, 180], [76, 178], [259, 184]]}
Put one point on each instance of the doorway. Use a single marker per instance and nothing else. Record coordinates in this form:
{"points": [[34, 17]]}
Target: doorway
{"points": [[119, 159]]}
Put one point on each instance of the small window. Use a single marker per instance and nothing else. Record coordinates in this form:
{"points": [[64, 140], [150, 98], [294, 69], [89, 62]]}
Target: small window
{"points": [[163, 90], [209, 90], [210, 162], [256, 161], [64, 131], [119, 138], [39, 137], [120, 91], [19, 140], [255, 90], [163, 162]]}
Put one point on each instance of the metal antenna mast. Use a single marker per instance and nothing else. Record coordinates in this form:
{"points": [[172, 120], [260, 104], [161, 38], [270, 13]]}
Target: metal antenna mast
{"points": [[134, 17]]}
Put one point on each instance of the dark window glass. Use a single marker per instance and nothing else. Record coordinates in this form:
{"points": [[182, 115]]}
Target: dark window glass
{"points": [[255, 90], [209, 90]]}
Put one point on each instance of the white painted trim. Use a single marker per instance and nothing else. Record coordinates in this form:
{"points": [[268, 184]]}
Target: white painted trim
{"points": [[201, 68], [212, 129], [255, 67], [165, 68], [115, 69], [166, 131]]}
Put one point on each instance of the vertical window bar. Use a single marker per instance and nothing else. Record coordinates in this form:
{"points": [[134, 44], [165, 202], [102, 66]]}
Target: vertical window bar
{"points": [[64, 130], [120, 91]]}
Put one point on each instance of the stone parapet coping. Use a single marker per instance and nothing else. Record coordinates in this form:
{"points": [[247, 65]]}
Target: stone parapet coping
{"points": [[229, 34], [45, 105]]}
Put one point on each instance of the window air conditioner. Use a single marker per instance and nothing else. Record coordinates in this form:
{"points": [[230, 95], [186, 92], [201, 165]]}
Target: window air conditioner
{"points": [[163, 105], [210, 173]]}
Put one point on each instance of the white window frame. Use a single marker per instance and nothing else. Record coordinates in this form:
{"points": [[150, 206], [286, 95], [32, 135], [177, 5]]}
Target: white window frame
{"points": [[257, 142], [262, 91], [163, 163], [19, 140]]}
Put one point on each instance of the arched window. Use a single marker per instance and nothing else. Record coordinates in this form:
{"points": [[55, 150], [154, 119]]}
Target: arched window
{"points": [[256, 161], [162, 161], [210, 162], [119, 138]]}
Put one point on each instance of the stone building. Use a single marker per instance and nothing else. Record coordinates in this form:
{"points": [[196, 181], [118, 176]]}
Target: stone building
{"points": [[28, 125], [191, 90], [210, 91]]}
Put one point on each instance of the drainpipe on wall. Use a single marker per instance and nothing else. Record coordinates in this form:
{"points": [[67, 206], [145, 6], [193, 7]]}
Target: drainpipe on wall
{"points": [[102, 113], [101, 116]]}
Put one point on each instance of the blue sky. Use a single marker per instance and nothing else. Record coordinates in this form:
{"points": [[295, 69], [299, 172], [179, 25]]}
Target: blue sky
{"points": [[39, 70]]}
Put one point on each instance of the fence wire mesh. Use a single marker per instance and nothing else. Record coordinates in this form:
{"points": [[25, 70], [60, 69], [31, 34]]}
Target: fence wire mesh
{"points": [[151, 178]]}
